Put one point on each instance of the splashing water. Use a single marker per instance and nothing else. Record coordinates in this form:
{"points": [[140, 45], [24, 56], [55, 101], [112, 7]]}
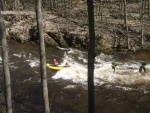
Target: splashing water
{"points": [[28, 57], [125, 74]]}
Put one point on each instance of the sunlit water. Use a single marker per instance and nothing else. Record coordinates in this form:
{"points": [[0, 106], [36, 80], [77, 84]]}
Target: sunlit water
{"points": [[118, 85]]}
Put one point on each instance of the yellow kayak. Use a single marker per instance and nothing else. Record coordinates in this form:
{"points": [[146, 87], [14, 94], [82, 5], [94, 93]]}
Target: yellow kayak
{"points": [[55, 67]]}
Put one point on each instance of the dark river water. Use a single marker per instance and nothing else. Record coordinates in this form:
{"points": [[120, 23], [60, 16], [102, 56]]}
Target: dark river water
{"points": [[123, 91]]}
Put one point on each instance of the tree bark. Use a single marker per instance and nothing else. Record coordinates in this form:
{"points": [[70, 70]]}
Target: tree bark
{"points": [[42, 56], [101, 14], [142, 32], [2, 5], [5, 66], [121, 6], [125, 22], [91, 57], [149, 9]]}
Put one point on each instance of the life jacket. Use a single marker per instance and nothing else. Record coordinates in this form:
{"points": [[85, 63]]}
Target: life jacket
{"points": [[66, 64], [55, 62]]}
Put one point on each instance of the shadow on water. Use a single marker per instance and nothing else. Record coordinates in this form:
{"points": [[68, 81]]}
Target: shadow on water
{"points": [[64, 95]]}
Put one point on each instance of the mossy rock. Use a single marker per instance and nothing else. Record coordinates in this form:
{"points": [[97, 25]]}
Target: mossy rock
{"points": [[106, 50], [49, 41]]}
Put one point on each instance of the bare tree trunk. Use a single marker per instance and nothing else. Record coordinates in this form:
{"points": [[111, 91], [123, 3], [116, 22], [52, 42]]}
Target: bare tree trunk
{"points": [[91, 57], [51, 5], [121, 6], [2, 5], [15, 4], [42, 56], [125, 22], [65, 14], [5, 66], [101, 14], [22, 2], [142, 9], [149, 9], [125, 12]]}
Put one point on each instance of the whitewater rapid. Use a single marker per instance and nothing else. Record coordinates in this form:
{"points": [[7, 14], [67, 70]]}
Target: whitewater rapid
{"points": [[126, 73]]}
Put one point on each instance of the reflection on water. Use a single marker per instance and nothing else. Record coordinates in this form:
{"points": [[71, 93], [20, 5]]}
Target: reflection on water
{"points": [[122, 91]]}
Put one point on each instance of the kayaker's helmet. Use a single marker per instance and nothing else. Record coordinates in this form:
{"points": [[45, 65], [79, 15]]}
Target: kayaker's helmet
{"points": [[67, 62]]}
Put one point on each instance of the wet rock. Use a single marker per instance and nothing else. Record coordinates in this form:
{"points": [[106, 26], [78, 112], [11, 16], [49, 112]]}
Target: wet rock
{"points": [[49, 41], [58, 38], [103, 43], [18, 36]]}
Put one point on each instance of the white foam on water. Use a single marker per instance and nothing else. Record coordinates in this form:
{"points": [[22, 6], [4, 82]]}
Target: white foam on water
{"points": [[34, 62], [70, 87], [62, 48], [28, 57], [23, 55], [125, 73], [18, 55]]}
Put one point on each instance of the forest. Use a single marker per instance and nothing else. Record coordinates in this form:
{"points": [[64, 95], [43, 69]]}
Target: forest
{"points": [[100, 26], [119, 25]]}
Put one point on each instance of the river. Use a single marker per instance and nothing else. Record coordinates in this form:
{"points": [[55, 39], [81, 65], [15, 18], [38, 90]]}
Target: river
{"points": [[123, 91]]}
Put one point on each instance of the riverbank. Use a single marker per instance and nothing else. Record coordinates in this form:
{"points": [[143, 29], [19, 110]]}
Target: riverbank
{"points": [[66, 32], [21, 26]]}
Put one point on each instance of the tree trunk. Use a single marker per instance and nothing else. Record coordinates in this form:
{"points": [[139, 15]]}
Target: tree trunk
{"points": [[149, 9], [101, 14], [121, 6], [15, 4], [91, 57], [65, 13], [2, 5], [51, 5], [42, 56], [23, 4], [125, 23], [5, 66], [142, 32]]}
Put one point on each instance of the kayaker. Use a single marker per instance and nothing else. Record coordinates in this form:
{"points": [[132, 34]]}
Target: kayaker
{"points": [[67, 64], [55, 63]]}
